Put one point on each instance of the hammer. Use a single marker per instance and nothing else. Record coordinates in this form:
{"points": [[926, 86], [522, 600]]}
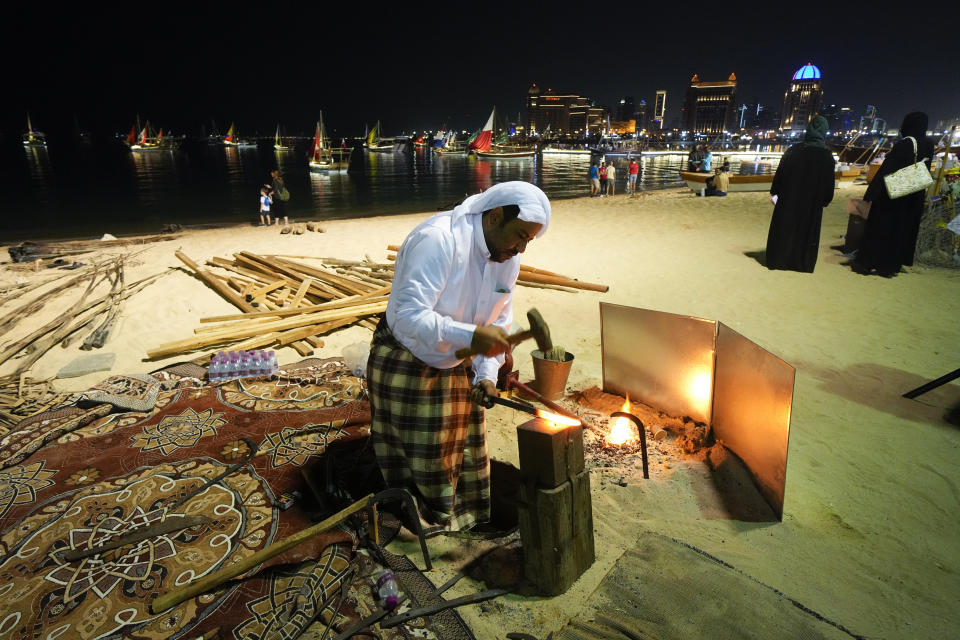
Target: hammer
{"points": [[538, 330]]}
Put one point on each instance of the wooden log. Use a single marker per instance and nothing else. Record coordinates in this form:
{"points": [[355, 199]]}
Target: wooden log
{"points": [[217, 284], [190, 344], [564, 282], [548, 454], [556, 531]]}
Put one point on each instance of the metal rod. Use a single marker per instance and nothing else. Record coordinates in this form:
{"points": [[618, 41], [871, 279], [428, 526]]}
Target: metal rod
{"points": [[643, 438], [513, 405]]}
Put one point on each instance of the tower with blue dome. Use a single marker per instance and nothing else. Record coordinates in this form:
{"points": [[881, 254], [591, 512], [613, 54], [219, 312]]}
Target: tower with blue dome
{"points": [[802, 99]]}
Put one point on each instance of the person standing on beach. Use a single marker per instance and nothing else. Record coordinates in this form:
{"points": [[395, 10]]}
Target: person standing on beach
{"points": [[632, 172], [707, 162], [594, 180], [264, 207], [453, 289], [802, 186], [890, 235], [611, 179], [695, 158], [279, 196], [603, 178]]}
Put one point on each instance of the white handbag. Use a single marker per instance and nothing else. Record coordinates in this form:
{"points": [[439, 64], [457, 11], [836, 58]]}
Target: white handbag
{"points": [[910, 179]]}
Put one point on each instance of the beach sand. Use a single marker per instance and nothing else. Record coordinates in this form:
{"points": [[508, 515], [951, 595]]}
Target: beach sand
{"points": [[869, 536]]}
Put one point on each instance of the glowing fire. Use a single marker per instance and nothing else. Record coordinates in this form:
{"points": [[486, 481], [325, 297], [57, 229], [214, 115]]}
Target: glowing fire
{"points": [[622, 432], [557, 419]]}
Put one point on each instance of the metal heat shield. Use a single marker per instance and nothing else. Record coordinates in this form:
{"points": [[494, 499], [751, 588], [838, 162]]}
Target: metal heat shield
{"points": [[661, 359], [753, 400]]}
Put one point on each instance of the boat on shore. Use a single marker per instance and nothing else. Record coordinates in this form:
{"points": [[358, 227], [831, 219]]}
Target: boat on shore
{"points": [[33, 138], [698, 181]]}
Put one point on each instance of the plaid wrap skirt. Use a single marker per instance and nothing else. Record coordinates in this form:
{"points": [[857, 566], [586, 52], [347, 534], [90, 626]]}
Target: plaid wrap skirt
{"points": [[427, 434]]}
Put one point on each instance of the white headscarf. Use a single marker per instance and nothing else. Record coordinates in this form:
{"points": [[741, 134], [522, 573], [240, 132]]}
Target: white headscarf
{"points": [[533, 203]]}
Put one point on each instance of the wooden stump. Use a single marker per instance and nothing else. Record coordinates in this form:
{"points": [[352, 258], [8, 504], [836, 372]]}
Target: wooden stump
{"points": [[555, 513]]}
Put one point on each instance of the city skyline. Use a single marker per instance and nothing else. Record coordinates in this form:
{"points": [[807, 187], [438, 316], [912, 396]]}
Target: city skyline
{"points": [[190, 74]]}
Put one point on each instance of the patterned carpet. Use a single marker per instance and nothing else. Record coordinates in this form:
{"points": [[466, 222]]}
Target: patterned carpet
{"points": [[126, 455]]}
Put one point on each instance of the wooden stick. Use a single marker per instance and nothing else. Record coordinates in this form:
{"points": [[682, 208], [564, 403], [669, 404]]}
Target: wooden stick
{"points": [[564, 282], [262, 291], [214, 580], [215, 282], [328, 277], [178, 346], [336, 304], [301, 291]]}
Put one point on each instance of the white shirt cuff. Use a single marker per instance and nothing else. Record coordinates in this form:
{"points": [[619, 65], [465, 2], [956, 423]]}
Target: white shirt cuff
{"points": [[458, 334]]}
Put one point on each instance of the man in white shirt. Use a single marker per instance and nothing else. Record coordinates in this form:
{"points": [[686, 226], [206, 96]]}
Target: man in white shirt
{"points": [[453, 288]]}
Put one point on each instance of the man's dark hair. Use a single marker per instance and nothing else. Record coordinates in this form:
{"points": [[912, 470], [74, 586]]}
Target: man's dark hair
{"points": [[510, 211]]}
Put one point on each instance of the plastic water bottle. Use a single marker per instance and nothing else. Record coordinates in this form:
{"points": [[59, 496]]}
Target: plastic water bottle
{"points": [[244, 370], [213, 371], [233, 365], [272, 359], [387, 589]]}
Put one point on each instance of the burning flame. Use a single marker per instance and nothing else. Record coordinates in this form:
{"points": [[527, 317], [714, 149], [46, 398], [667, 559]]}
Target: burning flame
{"points": [[557, 419], [622, 431]]}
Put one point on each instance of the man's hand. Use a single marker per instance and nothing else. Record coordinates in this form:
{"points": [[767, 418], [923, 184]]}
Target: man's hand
{"points": [[489, 341], [483, 393]]}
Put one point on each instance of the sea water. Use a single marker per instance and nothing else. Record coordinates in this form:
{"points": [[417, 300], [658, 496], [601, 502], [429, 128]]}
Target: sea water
{"points": [[76, 190]]}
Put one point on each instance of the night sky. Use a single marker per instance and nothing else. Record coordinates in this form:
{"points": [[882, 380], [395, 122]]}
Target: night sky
{"points": [[417, 67]]}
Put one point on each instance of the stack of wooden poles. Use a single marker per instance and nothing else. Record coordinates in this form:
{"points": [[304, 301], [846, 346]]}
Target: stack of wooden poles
{"points": [[284, 302], [533, 277], [101, 312]]}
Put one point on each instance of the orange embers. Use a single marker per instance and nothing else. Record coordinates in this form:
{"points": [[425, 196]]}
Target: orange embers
{"points": [[622, 431]]}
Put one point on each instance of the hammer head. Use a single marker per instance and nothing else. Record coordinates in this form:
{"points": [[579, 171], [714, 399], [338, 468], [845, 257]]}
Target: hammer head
{"points": [[540, 330]]}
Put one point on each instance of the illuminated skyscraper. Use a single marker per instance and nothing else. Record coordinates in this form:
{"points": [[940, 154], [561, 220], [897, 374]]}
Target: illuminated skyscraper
{"points": [[710, 106], [562, 114], [802, 100], [659, 110]]}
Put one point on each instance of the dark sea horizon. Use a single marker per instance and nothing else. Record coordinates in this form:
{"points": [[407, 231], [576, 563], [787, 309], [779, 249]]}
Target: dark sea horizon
{"points": [[74, 189]]}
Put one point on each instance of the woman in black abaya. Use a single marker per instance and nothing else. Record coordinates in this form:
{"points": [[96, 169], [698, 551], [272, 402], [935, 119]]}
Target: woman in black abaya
{"points": [[890, 235], [803, 185]]}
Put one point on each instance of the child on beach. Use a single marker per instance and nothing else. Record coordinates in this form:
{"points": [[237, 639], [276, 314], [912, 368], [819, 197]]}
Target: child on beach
{"points": [[265, 201]]}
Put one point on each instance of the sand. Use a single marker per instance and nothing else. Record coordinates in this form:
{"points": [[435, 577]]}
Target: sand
{"points": [[869, 535]]}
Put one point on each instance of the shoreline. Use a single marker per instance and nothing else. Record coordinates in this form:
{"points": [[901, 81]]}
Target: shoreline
{"points": [[254, 223]]}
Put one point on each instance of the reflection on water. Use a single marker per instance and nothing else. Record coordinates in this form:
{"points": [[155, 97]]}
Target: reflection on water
{"points": [[122, 192]]}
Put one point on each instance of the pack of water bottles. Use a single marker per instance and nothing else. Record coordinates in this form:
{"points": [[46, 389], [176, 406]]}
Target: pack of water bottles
{"points": [[229, 365]]}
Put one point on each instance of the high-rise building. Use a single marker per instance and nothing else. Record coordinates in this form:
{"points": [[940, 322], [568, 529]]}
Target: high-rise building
{"points": [[562, 114], [641, 115], [802, 99], [625, 110], [840, 118], [659, 110], [710, 106]]}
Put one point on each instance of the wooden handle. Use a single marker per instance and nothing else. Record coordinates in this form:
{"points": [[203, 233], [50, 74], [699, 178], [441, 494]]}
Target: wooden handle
{"points": [[519, 336], [195, 588]]}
